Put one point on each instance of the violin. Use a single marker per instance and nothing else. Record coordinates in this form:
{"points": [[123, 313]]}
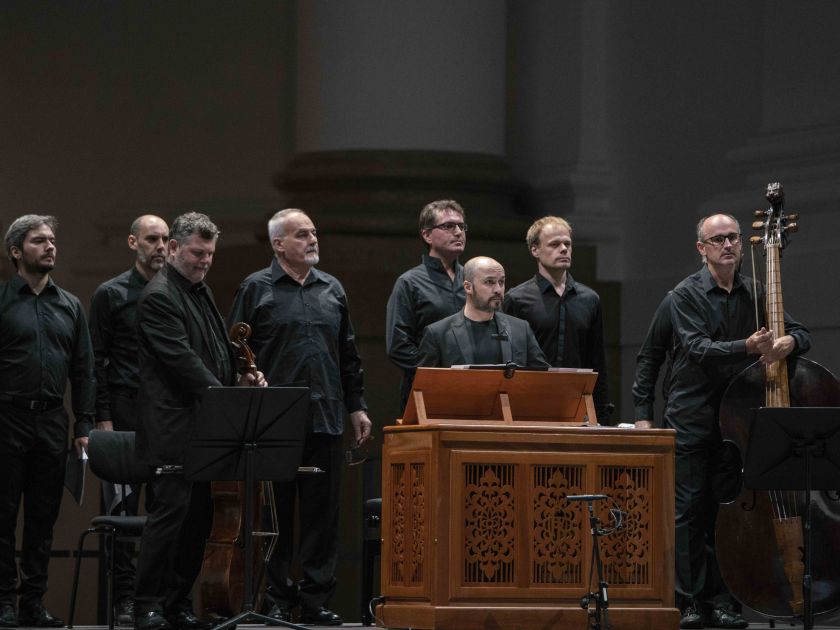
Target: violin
{"points": [[221, 581]]}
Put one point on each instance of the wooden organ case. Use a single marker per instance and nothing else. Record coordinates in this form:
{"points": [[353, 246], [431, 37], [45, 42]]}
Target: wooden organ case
{"points": [[476, 531]]}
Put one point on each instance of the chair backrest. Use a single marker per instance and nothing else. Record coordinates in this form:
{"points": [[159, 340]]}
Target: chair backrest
{"points": [[111, 457]]}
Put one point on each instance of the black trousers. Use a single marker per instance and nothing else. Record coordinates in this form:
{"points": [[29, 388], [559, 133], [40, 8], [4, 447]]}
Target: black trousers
{"points": [[33, 455], [704, 477], [319, 497], [172, 547]]}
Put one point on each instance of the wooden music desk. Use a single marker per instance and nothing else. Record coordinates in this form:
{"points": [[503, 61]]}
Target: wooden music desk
{"points": [[476, 531]]}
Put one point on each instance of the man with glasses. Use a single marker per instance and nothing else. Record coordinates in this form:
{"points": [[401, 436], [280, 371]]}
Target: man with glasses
{"points": [[713, 316], [427, 293], [565, 315], [302, 335]]}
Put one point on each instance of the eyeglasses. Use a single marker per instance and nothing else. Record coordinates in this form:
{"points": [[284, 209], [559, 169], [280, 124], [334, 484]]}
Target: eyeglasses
{"points": [[450, 226], [733, 237], [358, 453]]}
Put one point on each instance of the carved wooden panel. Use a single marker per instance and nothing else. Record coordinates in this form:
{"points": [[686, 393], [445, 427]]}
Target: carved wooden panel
{"points": [[409, 525], [489, 544], [557, 556], [627, 554]]}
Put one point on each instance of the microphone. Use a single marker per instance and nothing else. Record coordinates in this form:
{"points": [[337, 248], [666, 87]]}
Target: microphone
{"points": [[586, 497]]}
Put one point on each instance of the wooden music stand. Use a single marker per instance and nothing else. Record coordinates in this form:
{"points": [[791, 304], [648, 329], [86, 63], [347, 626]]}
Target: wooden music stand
{"points": [[547, 398]]}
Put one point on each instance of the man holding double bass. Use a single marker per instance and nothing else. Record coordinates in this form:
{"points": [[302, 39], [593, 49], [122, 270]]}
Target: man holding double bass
{"points": [[713, 314]]}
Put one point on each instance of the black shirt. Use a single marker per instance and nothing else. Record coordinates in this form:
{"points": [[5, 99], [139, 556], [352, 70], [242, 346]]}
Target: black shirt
{"points": [[487, 349], [569, 328], [657, 349], [44, 341], [113, 333], [302, 335], [421, 296], [712, 326]]}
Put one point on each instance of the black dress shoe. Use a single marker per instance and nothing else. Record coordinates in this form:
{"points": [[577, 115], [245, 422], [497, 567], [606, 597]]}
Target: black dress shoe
{"points": [[151, 621], [124, 613], [280, 613], [691, 618], [38, 617], [724, 618], [8, 616], [320, 617], [186, 620]]}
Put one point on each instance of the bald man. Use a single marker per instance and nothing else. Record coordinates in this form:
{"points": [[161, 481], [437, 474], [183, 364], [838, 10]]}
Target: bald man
{"points": [[481, 333], [113, 316]]}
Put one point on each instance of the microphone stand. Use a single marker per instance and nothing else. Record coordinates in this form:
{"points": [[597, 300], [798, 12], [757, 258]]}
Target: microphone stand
{"points": [[602, 602]]}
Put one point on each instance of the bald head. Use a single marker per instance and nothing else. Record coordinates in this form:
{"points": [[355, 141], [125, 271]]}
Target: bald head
{"points": [[148, 238], [484, 285]]}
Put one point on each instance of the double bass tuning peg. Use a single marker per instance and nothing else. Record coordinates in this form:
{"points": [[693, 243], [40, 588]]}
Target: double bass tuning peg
{"points": [[759, 214], [756, 240], [793, 216], [758, 225], [792, 227]]}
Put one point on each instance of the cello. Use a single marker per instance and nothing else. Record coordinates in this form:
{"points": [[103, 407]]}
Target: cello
{"points": [[759, 537], [221, 581]]}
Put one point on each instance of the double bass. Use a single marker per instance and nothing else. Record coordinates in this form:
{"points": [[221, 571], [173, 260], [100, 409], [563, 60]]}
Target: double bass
{"points": [[221, 581], [759, 537]]}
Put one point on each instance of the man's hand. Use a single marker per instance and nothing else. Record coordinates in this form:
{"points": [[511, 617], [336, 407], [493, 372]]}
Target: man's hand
{"points": [[780, 348], [361, 426], [105, 425], [644, 424], [249, 380], [760, 342], [80, 444]]}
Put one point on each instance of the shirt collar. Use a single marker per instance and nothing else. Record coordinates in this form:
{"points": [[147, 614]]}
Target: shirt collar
{"points": [[545, 285], [709, 283], [18, 284], [135, 278], [436, 264], [278, 273]]}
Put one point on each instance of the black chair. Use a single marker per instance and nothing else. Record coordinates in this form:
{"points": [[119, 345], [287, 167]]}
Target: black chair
{"points": [[371, 548], [111, 458]]}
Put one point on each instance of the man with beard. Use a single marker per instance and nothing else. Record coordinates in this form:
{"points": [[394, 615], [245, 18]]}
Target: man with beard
{"points": [[183, 350], [302, 335], [565, 315], [113, 321], [713, 316], [481, 333], [44, 341], [427, 293]]}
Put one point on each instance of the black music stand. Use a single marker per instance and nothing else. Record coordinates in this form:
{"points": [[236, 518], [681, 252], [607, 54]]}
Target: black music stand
{"points": [[795, 448], [248, 434]]}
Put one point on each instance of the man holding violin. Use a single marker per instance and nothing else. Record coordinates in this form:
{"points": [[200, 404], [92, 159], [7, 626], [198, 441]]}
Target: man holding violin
{"points": [[183, 350], [714, 322], [302, 335]]}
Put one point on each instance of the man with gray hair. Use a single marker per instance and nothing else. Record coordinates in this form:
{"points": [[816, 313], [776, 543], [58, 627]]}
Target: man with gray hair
{"points": [[183, 350], [302, 335], [113, 332], [481, 333], [44, 344]]}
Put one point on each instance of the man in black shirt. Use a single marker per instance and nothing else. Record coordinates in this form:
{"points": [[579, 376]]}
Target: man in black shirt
{"points": [[113, 332], [656, 351], [44, 341], [565, 315], [481, 334], [302, 335], [427, 293], [713, 315], [183, 350]]}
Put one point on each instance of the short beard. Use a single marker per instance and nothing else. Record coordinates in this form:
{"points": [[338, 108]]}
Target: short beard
{"points": [[36, 268], [311, 259]]}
